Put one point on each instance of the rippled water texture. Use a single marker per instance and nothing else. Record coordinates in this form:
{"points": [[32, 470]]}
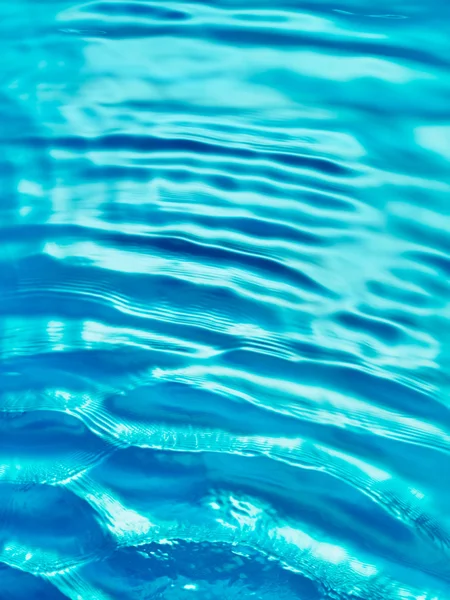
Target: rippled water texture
{"points": [[224, 308]]}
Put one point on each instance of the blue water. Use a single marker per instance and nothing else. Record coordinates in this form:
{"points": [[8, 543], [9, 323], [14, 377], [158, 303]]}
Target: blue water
{"points": [[224, 300]]}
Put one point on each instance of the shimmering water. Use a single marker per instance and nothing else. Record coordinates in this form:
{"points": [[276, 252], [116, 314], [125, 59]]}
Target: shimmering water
{"points": [[224, 309]]}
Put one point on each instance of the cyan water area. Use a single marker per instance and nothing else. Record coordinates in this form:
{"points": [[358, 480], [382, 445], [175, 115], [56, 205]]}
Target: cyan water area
{"points": [[224, 300]]}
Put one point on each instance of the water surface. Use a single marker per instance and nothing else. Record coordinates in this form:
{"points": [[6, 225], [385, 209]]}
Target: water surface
{"points": [[224, 308]]}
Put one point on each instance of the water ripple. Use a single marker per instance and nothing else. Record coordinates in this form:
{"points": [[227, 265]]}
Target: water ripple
{"points": [[224, 276]]}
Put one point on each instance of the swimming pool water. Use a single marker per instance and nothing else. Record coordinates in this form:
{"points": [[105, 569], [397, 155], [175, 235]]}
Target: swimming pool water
{"points": [[224, 300]]}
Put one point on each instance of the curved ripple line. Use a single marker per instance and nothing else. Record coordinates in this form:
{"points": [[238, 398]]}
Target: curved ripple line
{"points": [[370, 480], [300, 452], [328, 565], [325, 407]]}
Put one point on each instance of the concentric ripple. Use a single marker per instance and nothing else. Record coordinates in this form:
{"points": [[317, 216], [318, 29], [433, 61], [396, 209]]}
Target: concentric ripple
{"points": [[224, 308]]}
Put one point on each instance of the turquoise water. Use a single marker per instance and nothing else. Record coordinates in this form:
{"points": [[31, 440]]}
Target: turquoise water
{"points": [[224, 308]]}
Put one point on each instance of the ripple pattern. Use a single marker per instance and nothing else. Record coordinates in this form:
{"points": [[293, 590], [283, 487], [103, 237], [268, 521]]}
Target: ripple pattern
{"points": [[224, 308]]}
